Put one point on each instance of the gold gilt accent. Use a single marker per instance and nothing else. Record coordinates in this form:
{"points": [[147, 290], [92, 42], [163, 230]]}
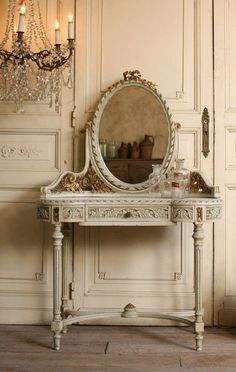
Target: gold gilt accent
{"points": [[89, 182], [198, 185], [136, 76], [199, 214], [177, 126], [129, 307], [133, 76]]}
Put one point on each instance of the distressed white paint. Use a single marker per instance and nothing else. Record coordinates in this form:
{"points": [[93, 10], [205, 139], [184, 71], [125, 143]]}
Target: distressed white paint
{"points": [[171, 43]]}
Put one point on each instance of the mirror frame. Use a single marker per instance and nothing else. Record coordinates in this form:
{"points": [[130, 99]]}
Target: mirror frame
{"points": [[131, 78]]}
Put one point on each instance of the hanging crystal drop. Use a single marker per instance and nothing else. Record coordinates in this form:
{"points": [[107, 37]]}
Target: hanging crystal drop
{"points": [[22, 79]]}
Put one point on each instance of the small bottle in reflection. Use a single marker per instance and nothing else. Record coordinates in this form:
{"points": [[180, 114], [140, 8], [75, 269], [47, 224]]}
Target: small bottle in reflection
{"points": [[123, 151], [111, 149], [103, 147]]}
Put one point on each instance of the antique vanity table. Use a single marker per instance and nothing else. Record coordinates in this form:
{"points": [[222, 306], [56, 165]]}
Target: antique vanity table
{"points": [[96, 196]]}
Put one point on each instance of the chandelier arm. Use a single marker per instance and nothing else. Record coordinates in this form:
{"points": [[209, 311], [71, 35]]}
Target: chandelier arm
{"points": [[33, 69], [4, 57], [40, 59]]}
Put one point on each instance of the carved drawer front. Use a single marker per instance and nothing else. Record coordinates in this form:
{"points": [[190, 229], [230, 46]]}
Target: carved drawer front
{"points": [[72, 214], [128, 213]]}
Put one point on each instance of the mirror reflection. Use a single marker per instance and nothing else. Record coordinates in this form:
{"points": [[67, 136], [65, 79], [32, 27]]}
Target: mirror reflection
{"points": [[133, 133]]}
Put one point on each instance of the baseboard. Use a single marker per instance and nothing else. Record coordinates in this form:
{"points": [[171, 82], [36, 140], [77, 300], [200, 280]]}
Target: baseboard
{"points": [[25, 316], [227, 318]]}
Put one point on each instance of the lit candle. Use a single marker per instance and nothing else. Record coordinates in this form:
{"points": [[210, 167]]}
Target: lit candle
{"points": [[21, 25], [57, 34], [70, 28]]}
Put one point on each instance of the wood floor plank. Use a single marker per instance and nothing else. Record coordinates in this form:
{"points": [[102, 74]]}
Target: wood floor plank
{"points": [[207, 359], [63, 361], [116, 349]]}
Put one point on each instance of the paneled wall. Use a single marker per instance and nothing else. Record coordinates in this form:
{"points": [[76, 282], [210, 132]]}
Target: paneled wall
{"points": [[225, 160], [34, 147], [170, 42]]}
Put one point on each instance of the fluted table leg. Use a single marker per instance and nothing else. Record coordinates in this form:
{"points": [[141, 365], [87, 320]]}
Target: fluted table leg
{"points": [[57, 283], [198, 236], [65, 264]]}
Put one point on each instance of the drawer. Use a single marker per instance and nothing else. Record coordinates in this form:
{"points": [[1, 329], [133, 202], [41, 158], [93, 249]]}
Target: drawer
{"points": [[128, 213]]}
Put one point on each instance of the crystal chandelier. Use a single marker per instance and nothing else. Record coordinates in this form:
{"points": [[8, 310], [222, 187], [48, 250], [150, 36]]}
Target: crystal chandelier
{"points": [[31, 68]]}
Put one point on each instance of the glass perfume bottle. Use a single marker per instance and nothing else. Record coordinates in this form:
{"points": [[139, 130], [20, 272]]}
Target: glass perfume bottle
{"points": [[166, 185], [154, 179], [180, 180]]}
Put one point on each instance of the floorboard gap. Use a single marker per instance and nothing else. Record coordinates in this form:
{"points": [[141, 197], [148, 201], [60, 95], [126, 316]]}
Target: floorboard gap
{"points": [[106, 347]]}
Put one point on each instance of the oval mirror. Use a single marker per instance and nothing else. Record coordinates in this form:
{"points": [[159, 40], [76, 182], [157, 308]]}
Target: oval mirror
{"points": [[131, 130]]}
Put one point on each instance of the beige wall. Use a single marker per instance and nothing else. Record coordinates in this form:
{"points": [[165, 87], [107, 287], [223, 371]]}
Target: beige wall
{"points": [[34, 148]]}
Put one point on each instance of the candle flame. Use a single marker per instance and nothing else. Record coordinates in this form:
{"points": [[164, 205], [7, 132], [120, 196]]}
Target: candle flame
{"points": [[57, 25], [22, 9], [70, 18]]}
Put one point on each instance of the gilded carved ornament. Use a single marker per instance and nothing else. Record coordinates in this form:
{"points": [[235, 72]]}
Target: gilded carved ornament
{"points": [[89, 182], [198, 185], [136, 76], [133, 76]]}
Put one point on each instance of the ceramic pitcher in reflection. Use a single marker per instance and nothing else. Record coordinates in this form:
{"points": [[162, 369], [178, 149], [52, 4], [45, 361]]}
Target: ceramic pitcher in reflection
{"points": [[146, 146]]}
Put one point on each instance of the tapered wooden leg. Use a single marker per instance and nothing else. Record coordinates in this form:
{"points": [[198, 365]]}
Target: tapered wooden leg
{"points": [[65, 264], [57, 280], [198, 236]]}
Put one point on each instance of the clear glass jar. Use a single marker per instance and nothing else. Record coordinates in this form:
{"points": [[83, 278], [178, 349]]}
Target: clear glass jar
{"points": [[154, 178], [180, 180], [166, 185]]}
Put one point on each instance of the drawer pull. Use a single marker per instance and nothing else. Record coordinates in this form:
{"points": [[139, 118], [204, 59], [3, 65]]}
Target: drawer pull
{"points": [[127, 215]]}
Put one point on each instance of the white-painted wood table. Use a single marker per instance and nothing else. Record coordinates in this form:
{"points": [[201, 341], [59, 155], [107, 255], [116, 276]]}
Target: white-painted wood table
{"points": [[99, 209]]}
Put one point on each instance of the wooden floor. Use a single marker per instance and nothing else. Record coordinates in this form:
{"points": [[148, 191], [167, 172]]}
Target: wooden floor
{"points": [[108, 348]]}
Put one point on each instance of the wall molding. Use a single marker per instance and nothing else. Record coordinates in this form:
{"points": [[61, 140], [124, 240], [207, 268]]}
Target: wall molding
{"points": [[183, 99]]}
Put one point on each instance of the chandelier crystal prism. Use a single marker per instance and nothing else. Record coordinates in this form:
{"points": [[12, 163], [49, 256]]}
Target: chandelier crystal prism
{"points": [[31, 68]]}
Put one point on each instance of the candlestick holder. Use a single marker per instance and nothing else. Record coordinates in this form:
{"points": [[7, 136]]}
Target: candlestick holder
{"points": [[28, 75]]}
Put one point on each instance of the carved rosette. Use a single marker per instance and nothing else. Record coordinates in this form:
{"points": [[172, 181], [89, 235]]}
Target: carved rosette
{"points": [[119, 212], [178, 276], [43, 213], [72, 213], [89, 182]]}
